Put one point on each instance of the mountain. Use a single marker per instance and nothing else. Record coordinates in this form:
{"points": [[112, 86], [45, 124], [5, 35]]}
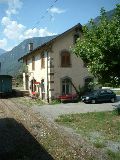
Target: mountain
{"points": [[2, 51], [9, 60], [109, 14]]}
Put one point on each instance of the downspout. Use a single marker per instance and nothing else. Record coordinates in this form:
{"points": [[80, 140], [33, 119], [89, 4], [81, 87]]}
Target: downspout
{"points": [[47, 81]]}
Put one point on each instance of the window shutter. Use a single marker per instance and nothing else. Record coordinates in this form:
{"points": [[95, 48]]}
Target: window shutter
{"points": [[33, 63], [42, 61], [65, 59]]}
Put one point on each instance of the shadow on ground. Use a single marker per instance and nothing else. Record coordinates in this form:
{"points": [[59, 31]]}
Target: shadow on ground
{"points": [[16, 143]]}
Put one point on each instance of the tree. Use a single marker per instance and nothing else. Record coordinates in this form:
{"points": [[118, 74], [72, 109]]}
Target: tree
{"points": [[100, 48], [19, 75]]}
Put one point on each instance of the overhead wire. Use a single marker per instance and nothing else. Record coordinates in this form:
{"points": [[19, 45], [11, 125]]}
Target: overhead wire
{"points": [[43, 15]]}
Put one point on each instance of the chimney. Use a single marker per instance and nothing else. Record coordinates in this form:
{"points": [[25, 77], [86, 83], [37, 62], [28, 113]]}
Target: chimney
{"points": [[30, 47]]}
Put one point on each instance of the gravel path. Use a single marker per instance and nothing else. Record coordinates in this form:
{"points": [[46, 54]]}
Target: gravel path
{"points": [[53, 111]]}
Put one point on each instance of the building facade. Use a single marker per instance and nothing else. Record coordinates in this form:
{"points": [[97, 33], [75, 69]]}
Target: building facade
{"points": [[53, 69]]}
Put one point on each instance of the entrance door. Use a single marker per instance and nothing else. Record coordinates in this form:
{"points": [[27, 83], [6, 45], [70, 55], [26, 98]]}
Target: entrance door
{"points": [[66, 86], [33, 86], [42, 89]]}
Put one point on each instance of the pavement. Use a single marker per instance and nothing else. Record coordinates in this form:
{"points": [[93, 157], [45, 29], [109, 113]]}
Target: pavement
{"points": [[51, 112]]}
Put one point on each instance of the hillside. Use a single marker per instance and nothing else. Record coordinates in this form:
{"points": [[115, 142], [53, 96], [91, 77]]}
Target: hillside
{"points": [[2, 51], [109, 14], [9, 60]]}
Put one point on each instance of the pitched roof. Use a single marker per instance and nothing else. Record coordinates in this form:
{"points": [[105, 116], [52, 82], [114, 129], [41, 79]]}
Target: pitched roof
{"points": [[52, 40], [1, 76]]}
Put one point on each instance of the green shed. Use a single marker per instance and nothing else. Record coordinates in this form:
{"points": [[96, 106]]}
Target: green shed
{"points": [[5, 83]]}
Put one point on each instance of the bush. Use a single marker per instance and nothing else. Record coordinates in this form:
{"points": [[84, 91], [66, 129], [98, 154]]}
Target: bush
{"points": [[117, 110]]}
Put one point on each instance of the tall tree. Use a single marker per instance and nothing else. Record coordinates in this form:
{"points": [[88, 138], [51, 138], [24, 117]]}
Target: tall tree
{"points": [[100, 48]]}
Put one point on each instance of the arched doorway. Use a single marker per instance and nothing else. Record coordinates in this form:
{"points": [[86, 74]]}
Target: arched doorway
{"points": [[42, 89], [32, 85]]}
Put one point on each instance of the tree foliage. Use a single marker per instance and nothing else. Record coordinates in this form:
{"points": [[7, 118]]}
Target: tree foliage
{"points": [[19, 75], [100, 48]]}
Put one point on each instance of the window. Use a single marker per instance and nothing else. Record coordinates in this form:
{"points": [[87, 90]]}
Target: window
{"points": [[109, 91], [42, 60], [76, 36], [66, 86], [65, 59], [33, 63], [85, 63]]}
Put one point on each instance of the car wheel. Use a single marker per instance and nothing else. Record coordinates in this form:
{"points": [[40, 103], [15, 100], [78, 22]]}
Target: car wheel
{"points": [[112, 100], [93, 101]]}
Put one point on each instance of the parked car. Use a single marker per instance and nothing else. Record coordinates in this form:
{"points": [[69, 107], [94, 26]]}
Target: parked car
{"points": [[68, 98], [100, 95]]}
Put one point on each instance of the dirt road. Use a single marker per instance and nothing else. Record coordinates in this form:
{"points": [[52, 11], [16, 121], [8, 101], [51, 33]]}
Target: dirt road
{"points": [[25, 135]]}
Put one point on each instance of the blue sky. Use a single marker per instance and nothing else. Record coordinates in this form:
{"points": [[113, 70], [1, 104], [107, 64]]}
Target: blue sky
{"points": [[21, 19]]}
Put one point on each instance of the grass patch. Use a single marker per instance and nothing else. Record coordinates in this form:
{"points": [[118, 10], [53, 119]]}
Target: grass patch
{"points": [[99, 144], [105, 123], [117, 92], [113, 155], [55, 101]]}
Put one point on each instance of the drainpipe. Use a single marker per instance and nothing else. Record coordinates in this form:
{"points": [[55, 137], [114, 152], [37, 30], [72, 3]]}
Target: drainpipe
{"points": [[47, 81]]}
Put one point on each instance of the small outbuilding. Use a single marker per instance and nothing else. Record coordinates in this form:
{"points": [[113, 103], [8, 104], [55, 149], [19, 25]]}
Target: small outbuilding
{"points": [[5, 84]]}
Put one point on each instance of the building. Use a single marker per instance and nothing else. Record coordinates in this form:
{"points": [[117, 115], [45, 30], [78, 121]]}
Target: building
{"points": [[53, 69], [5, 84]]}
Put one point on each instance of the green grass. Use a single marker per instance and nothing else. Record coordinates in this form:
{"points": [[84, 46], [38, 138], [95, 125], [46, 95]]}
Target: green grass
{"points": [[55, 101], [98, 128], [113, 155], [117, 92], [99, 144], [106, 123]]}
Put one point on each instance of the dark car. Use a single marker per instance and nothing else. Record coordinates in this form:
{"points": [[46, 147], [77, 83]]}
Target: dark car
{"points": [[100, 95]]}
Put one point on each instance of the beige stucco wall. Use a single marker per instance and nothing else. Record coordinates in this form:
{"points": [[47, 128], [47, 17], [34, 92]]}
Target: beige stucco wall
{"points": [[77, 72], [38, 73]]}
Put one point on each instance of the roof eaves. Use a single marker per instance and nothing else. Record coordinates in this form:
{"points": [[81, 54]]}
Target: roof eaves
{"points": [[52, 40]]}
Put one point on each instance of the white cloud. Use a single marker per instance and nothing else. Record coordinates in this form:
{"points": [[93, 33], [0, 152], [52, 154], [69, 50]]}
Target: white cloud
{"points": [[55, 10], [13, 6], [3, 43], [12, 29], [15, 31], [42, 32]]}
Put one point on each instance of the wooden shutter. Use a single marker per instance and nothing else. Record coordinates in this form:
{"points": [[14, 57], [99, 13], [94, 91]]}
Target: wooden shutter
{"points": [[33, 63]]}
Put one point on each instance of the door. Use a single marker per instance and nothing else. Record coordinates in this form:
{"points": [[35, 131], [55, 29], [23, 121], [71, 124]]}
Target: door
{"points": [[103, 96], [66, 86]]}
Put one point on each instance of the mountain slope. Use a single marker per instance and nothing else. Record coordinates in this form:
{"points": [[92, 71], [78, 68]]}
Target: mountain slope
{"points": [[2, 51], [9, 60], [109, 15]]}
